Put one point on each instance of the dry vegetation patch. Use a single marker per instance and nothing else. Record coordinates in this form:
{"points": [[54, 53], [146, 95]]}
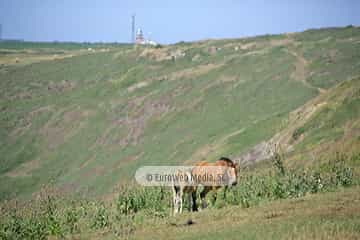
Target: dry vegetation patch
{"points": [[63, 125]]}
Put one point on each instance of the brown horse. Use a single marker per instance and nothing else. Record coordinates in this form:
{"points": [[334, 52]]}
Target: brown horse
{"points": [[223, 167]]}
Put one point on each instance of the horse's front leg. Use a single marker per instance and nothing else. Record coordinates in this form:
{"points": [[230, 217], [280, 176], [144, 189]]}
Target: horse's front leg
{"points": [[190, 200], [181, 200]]}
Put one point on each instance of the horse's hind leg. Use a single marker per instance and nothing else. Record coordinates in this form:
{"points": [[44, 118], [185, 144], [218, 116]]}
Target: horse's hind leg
{"points": [[181, 200], [203, 195], [192, 201], [225, 190], [193, 198], [176, 199]]}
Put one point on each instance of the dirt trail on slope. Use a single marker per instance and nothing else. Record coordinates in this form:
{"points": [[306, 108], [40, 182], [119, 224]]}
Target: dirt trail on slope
{"points": [[301, 64]]}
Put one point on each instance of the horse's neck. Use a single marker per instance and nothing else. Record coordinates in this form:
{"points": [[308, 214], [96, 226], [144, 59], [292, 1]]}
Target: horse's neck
{"points": [[203, 163]]}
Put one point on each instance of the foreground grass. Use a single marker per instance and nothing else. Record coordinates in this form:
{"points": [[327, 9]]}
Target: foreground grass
{"points": [[137, 209], [333, 215]]}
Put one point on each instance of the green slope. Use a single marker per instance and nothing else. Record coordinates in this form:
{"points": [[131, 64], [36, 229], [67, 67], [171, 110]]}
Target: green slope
{"points": [[332, 215], [86, 122]]}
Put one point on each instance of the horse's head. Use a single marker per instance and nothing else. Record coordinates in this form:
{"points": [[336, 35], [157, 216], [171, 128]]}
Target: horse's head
{"points": [[232, 170], [233, 175]]}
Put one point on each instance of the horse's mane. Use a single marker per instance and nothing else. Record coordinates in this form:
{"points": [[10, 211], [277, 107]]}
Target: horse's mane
{"points": [[228, 160]]}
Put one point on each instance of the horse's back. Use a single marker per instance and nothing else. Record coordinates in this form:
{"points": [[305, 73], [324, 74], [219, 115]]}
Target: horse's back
{"points": [[202, 163]]}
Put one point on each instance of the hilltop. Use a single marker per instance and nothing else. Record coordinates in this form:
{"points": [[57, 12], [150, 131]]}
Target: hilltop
{"points": [[84, 118]]}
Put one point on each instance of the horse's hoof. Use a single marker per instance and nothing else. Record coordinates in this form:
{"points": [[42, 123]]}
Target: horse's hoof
{"points": [[189, 222]]}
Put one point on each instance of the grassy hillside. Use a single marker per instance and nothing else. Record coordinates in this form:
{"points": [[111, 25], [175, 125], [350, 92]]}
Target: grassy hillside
{"points": [[327, 124], [328, 216], [85, 119]]}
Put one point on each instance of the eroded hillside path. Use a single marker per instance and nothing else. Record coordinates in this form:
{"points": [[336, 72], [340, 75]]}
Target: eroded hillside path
{"points": [[301, 65]]}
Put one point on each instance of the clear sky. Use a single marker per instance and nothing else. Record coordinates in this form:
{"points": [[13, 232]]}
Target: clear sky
{"points": [[168, 21]]}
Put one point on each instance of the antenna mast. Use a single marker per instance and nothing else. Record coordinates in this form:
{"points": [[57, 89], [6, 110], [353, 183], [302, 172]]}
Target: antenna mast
{"points": [[133, 28]]}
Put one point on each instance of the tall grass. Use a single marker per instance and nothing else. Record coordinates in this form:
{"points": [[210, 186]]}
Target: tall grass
{"points": [[61, 217], [281, 182]]}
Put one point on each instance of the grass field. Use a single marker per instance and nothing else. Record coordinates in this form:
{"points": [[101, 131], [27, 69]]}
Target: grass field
{"points": [[332, 215]]}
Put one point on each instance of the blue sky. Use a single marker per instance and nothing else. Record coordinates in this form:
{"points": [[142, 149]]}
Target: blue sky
{"points": [[168, 21]]}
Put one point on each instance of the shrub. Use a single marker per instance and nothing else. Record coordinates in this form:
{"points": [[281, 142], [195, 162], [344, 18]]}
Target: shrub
{"points": [[101, 218], [72, 219], [52, 222], [297, 133], [35, 229], [315, 182], [341, 174], [278, 163], [130, 201], [279, 182], [13, 227]]}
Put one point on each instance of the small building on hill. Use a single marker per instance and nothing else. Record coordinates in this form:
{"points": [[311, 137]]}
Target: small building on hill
{"points": [[140, 39]]}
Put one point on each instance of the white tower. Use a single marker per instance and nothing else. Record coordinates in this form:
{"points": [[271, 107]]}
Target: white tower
{"points": [[139, 37]]}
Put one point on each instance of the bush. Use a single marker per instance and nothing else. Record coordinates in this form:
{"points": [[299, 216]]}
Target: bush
{"points": [[155, 200], [297, 133], [279, 182], [101, 218], [278, 163], [341, 174], [72, 219], [53, 225]]}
